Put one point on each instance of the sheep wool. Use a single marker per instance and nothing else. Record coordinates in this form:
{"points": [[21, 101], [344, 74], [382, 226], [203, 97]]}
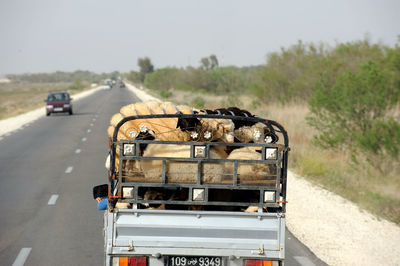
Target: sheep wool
{"points": [[177, 171], [248, 173]]}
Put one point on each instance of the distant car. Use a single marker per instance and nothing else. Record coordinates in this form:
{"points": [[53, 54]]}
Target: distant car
{"points": [[106, 87], [58, 102]]}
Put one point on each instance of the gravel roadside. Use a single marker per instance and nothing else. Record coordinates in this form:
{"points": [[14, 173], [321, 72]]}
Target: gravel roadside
{"points": [[335, 229]]}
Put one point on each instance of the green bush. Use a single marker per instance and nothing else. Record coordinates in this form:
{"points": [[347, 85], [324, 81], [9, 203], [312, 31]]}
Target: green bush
{"points": [[288, 75], [198, 102], [352, 114], [161, 79], [165, 94]]}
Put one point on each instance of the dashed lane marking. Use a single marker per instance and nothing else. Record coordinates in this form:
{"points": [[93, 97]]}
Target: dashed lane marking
{"points": [[89, 130], [52, 200], [91, 124], [22, 256], [304, 261], [77, 151], [69, 170], [84, 139]]}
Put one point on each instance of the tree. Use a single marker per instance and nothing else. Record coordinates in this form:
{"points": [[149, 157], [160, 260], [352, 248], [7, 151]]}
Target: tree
{"points": [[352, 113], [161, 79], [145, 66], [208, 63], [205, 63], [213, 61]]}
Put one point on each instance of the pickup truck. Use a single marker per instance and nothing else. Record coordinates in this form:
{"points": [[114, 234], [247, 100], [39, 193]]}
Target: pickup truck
{"points": [[197, 209]]}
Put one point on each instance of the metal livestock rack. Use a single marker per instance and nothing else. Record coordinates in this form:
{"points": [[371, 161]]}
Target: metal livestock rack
{"points": [[233, 187]]}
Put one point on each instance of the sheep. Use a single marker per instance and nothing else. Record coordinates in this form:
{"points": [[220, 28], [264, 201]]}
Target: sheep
{"points": [[131, 168], [257, 133], [219, 129], [164, 128], [178, 171], [249, 173], [254, 133], [174, 129]]}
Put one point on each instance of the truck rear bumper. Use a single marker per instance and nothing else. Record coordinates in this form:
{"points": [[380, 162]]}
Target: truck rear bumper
{"points": [[195, 233]]}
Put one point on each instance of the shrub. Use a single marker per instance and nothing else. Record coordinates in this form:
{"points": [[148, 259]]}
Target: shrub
{"points": [[165, 94], [198, 102], [352, 113]]}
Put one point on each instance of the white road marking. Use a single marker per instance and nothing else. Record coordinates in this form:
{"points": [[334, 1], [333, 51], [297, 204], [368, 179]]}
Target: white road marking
{"points": [[22, 256], [304, 261], [84, 139], [78, 151], [52, 200], [69, 170], [89, 130], [94, 119], [91, 124]]}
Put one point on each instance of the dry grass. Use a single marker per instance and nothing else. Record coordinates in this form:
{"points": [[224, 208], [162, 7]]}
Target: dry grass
{"points": [[18, 98], [334, 170]]}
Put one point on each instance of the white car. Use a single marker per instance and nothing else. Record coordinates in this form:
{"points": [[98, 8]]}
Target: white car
{"points": [[106, 87]]}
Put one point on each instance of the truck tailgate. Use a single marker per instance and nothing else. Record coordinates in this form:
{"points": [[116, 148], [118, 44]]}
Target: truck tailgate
{"points": [[203, 233]]}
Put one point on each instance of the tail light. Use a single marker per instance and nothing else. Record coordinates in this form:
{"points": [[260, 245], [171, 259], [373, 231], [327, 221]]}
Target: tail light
{"points": [[129, 261], [260, 263]]}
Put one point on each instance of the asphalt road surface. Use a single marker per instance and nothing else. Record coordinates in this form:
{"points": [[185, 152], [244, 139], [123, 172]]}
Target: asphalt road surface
{"points": [[47, 171]]}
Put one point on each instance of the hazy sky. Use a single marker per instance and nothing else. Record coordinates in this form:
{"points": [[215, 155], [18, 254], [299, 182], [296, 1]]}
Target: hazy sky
{"points": [[108, 35]]}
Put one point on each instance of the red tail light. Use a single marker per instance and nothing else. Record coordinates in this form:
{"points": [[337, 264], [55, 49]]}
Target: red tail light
{"points": [[137, 261], [258, 263], [130, 261]]}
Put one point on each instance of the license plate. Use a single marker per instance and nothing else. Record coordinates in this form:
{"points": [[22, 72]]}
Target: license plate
{"points": [[194, 261], [58, 109]]}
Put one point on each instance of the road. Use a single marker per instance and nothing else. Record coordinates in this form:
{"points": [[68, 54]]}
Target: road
{"points": [[47, 171]]}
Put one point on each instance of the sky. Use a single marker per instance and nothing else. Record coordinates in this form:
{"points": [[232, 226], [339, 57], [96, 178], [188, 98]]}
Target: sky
{"points": [[110, 35]]}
